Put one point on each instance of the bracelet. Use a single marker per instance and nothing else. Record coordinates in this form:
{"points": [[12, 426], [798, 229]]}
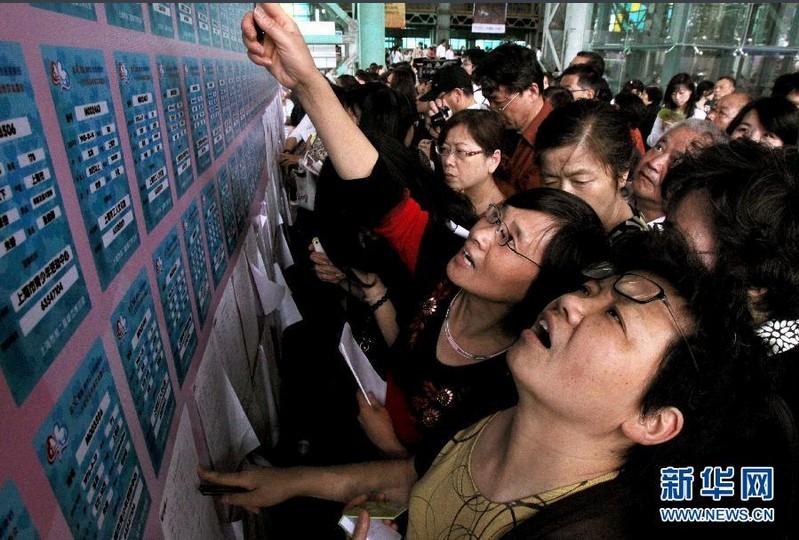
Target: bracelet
{"points": [[383, 300]]}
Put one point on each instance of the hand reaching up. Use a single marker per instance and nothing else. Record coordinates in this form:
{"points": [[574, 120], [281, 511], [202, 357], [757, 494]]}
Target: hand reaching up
{"points": [[283, 51]]}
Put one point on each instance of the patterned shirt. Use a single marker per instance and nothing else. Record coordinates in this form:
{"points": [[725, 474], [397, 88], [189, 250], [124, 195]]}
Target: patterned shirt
{"points": [[446, 503]]}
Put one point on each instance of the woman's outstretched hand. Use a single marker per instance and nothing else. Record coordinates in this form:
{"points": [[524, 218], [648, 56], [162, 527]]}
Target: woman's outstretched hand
{"points": [[283, 51]]}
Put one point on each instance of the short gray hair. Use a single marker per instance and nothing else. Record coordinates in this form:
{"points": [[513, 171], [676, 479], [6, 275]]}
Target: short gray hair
{"points": [[709, 132]]}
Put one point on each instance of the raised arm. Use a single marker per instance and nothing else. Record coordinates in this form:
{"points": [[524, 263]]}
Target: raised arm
{"points": [[286, 56]]}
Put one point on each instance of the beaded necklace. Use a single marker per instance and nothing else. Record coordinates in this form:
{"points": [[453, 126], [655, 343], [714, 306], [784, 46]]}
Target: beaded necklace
{"points": [[454, 344]]}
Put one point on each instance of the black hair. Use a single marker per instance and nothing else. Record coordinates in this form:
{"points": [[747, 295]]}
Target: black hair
{"points": [[654, 94], [702, 88], [580, 240], [595, 60], [776, 114], [632, 84], [367, 76], [557, 96], [476, 55], [485, 126], [681, 79], [510, 65], [753, 193], [716, 379], [785, 84], [404, 81], [346, 81], [631, 107], [595, 123], [589, 78], [382, 109]]}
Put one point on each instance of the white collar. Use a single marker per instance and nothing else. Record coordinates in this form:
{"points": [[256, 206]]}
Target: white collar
{"points": [[780, 336]]}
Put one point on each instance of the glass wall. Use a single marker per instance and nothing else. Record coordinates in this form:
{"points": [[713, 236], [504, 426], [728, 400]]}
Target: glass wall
{"points": [[754, 43]]}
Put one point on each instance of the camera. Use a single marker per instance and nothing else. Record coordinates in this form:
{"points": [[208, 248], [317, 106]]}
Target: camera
{"points": [[440, 118]]}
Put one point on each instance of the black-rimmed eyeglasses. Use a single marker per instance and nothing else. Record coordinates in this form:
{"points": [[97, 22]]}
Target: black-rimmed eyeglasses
{"points": [[494, 217], [641, 290]]}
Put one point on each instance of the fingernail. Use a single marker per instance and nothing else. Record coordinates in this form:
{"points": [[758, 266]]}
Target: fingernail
{"points": [[259, 11]]}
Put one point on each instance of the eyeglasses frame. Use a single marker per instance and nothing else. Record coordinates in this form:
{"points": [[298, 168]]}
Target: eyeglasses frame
{"points": [[494, 210]]}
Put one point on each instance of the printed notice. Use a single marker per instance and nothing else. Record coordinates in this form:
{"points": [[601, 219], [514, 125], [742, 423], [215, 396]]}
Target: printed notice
{"points": [[15, 522], [197, 117], [185, 14], [192, 236], [43, 296], [214, 109], [234, 92], [216, 29], [203, 24], [138, 339], [236, 196], [183, 511], [125, 15], [224, 100], [228, 208], [84, 10], [80, 88], [213, 232], [176, 129], [87, 453], [144, 132], [174, 292], [161, 20]]}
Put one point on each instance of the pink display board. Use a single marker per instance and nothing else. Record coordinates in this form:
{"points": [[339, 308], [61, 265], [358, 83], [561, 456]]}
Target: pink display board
{"points": [[117, 124]]}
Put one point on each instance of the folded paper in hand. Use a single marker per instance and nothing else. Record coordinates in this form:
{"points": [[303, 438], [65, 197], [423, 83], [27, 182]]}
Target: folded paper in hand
{"points": [[365, 375], [378, 511]]}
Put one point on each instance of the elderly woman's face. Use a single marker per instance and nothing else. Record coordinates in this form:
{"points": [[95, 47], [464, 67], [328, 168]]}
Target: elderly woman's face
{"points": [[751, 128], [592, 353], [469, 171], [578, 170]]}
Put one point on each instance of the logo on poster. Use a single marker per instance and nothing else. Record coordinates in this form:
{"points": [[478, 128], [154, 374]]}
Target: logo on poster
{"points": [[59, 75], [56, 443], [122, 327], [124, 74]]}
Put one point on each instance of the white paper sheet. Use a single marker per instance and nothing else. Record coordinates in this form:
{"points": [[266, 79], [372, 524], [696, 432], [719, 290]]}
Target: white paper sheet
{"points": [[270, 293], [263, 234], [185, 514], [269, 398], [289, 314], [228, 432], [230, 342], [365, 375], [283, 252], [252, 251], [248, 309]]}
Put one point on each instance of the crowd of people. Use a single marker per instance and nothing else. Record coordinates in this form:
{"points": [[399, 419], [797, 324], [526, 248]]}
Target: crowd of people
{"points": [[570, 294]]}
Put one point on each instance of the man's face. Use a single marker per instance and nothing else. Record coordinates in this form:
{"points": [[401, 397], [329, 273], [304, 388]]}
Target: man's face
{"points": [[723, 88], [727, 108], [571, 83], [655, 163]]}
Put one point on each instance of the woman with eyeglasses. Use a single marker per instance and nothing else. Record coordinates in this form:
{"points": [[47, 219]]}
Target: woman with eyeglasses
{"points": [[585, 148], [469, 152], [625, 374], [449, 367]]}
